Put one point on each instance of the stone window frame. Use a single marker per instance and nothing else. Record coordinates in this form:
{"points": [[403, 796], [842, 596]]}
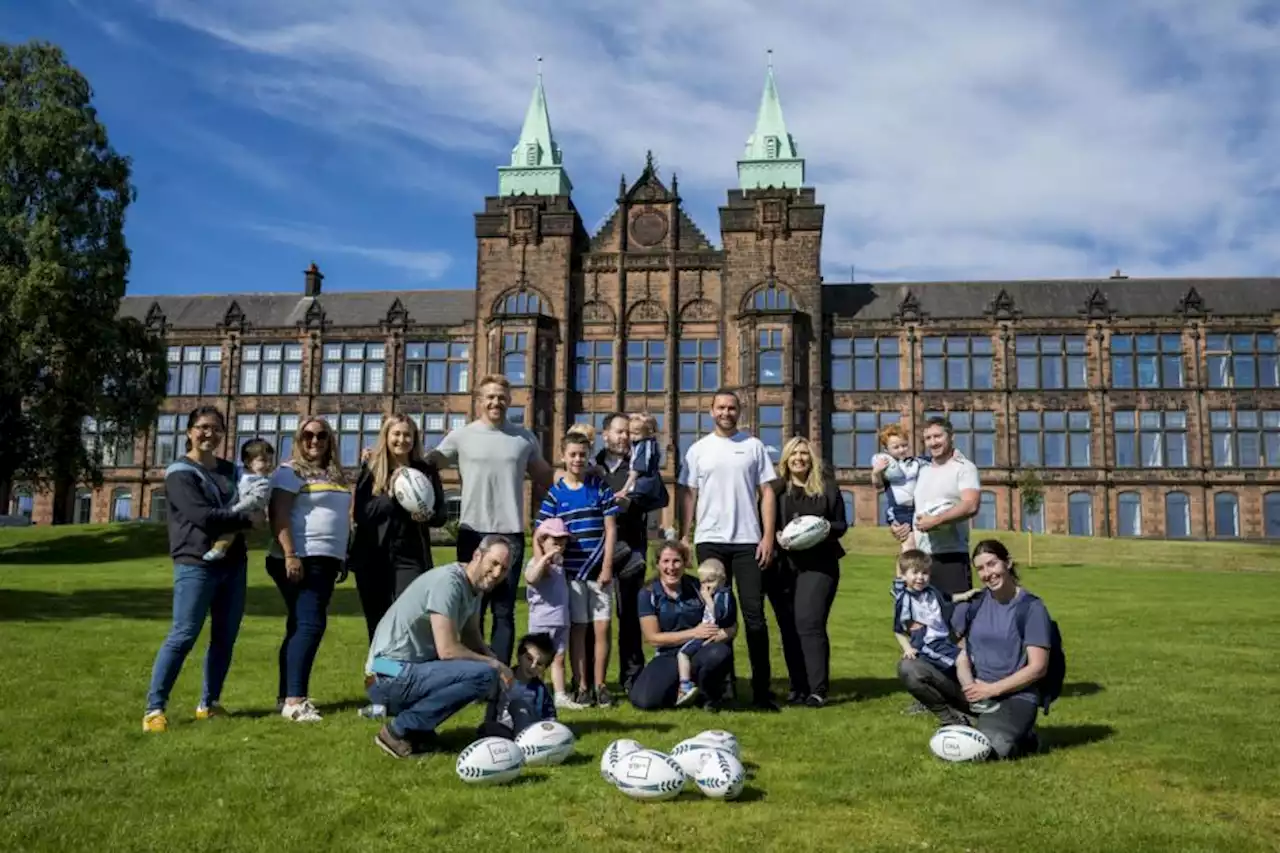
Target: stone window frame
{"points": [[1161, 355], [271, 369], [961, 352], [771, 343], [515, 346], [1226, 354], [1035, 355], [1129, 500], [1183, 510], [199, 362], [453, 363], [1146, 432], [276, 428], [1037, 426], [1080, 499], [696, 353], [1226, 504], [856, 428], [593, 365], [1261, 426], [640, 355], [882, 352], [352, 368]]}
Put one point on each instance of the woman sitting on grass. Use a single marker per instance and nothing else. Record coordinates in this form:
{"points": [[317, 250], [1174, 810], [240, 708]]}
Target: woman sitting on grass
{"points": [[201, 489], [1005, 636]]}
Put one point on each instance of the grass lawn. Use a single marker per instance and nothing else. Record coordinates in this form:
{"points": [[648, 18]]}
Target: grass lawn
{"points": [[1161, 743]]}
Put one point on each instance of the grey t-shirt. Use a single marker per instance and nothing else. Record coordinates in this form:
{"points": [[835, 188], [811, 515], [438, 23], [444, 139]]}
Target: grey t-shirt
{"points": [[492, 462], [405, 634], [996, 647]]}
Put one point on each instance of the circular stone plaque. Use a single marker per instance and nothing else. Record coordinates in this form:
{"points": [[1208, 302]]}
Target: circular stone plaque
{"points": [[649, 228]]}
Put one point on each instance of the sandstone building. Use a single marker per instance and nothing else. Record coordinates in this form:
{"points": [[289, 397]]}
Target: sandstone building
{"points": [[1147, 407]]}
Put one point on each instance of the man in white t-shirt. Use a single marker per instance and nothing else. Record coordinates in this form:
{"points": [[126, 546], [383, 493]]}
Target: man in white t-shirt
{"points": [[948, 494], [726, 480]]}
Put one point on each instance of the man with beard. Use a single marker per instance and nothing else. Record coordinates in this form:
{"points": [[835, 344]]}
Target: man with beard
{"points": [[727, 481]]}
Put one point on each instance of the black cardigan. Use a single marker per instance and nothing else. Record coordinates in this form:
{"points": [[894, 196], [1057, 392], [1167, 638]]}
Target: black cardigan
{"points": [[385, 531], [198, 514], [792, 502]]}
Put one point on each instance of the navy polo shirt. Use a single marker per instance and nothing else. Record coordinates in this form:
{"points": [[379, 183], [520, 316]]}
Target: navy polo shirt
{"points": [[679, 614]]}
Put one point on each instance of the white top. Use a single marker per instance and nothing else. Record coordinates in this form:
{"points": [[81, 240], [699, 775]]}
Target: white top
{"points": [[727, 472], [939, 487], [492, 461], [321, 517], [927, 610], [901, 475]]}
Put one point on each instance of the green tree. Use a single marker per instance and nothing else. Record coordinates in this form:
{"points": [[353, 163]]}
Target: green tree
{"points": [[65, 355], [1031, 488]]}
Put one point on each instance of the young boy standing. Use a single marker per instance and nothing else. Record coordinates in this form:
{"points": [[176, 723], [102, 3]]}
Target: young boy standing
{"points": [[586, 505]]}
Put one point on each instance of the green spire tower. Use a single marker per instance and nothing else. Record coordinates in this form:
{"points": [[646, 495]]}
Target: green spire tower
{"points": [[536, 160], [771, 158]]}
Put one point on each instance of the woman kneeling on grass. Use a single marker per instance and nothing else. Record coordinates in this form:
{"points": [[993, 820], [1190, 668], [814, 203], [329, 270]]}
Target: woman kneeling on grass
{"points": [[201, 489], [1005, 635]]}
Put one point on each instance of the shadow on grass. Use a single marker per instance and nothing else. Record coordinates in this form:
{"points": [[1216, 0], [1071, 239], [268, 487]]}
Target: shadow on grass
{"points": [[586, 727], [1082, 688], [114, 544], [1067, 737], [27, 605]]}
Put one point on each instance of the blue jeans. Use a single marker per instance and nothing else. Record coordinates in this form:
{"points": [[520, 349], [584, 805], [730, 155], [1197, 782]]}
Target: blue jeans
{"points": [[199, 592], [424, 695], [307, 600], [501, 600]]}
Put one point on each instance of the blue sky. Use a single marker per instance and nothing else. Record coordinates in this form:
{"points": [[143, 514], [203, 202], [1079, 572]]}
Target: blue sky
{"points": [[1010, 140]]}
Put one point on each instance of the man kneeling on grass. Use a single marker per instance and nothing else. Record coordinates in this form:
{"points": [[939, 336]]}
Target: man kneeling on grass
{"points": [[428, 659]]}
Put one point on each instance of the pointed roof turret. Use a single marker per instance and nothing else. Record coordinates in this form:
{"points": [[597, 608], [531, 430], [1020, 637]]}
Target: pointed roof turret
{"points": [[771, 158], [536, 162]]}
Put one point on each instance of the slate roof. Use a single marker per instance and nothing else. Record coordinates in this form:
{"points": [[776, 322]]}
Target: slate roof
{"points": [[1048, 299], [277, 310]]}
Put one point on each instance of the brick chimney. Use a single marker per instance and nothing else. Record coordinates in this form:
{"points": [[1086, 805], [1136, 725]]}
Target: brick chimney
{"points": [[313, 279]]}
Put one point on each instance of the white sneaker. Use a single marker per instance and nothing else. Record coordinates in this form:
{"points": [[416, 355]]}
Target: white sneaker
{"points": [[564, 700], [373, 712], [301, 712]]}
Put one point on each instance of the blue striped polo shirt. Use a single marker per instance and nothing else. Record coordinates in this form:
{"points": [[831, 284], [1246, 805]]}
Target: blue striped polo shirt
{"points": [[583, 510]]}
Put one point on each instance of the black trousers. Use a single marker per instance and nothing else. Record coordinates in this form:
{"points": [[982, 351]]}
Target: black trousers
{"points": [[815, 593], [658, 683], [753, 585], [501, 600], [951, 573], [378, 588], [1008, 727], [630, 643]]}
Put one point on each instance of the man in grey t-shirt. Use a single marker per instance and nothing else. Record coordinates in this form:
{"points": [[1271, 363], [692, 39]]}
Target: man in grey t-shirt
{"points": [[492, 457], [428, 659]]}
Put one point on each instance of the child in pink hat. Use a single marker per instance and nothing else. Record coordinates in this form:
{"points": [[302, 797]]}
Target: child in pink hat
{"points": [[547, 593]]}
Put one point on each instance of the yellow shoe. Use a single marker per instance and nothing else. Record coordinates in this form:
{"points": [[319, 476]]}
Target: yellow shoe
{"points": [[154, 722], [213, 709]]}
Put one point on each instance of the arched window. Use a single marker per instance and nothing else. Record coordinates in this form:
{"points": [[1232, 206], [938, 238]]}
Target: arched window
{"points": [[770, 297], [23, 503], [1033, 522], [1226, 515], [452, 506], [159, 506], [519, 302], [515, 358], [986, 517], [1271, 515], [847, 497], [122, 505], [1080, 514], [1129, 513], [1177, 515], [83, 511]]}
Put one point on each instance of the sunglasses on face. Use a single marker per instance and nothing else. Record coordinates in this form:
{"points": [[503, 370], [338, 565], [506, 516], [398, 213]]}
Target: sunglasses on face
{"points": [[309, 435]]}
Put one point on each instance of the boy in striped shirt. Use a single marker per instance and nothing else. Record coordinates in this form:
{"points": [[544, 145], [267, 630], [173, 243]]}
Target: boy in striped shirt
{"points": [[586, 506]]}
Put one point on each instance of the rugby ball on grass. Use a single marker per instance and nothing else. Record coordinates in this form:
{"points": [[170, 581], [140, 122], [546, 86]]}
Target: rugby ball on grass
{"points": [[803, 532], [615, 752], [960, 743], [548, 742], [720, 739], [648, 775], [720, 775], [413, 491], [490, 761]]}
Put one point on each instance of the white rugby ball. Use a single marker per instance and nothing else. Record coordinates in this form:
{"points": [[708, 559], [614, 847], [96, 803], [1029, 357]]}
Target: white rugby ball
{"points": [[803, 532], [720, 739], [413, 491], [720, 775], [490, 761], [547, 742], [648, 775], [960, 743], [615, 752], [937, 507]]}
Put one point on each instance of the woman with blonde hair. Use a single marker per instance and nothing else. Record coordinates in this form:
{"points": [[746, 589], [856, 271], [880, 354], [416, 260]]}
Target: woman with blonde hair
{"points": [[310, 514], [392, 547], [803, 488]]}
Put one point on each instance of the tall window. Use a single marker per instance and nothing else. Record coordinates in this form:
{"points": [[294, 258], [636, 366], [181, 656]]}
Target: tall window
{"points": [[1271, 515], [1146, 361], [771, 299], [171, 439], [1032, 522], [865, 364], [974, 434], [194, 371], [855, 436], [23, 503], [1226, 515], [1245, 438], [1080, 514], [691, 427], [159, 512], [515, 357], [1242, 361], [1054, 439], [1177, 515], [434, 426], [986, 517], [882, 507], [271, 369], [121, 505], [771, 429], [593, 366], [355, 432], [1129, 513], [83, 509], [452, 506], [274, 428], [646, 365], [769, 357], [699, 365], [437, 367], [957, 363], [353, 369], [1151, 439], [847, 499], [520, 302], [1051, 361]]}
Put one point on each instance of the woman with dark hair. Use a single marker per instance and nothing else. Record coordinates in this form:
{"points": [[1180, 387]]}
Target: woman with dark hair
{"points": [[1005, 636], [671, 610], [811, 576], [310, 515], [392, 547], [201, 489]]}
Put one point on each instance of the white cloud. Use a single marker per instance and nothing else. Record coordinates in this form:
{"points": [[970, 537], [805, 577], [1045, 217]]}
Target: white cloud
{"points": [[946, 140], [421, 265]]}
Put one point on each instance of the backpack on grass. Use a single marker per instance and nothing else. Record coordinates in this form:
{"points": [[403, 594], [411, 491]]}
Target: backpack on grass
{"points": [[1049, 687]]}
